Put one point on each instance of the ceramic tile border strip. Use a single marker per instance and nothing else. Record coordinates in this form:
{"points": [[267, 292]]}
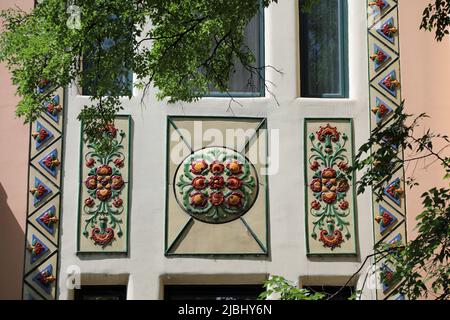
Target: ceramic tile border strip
{"points": [[42, 236], [389, 224]]}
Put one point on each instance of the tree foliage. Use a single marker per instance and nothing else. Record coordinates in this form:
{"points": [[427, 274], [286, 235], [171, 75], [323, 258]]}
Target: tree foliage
{"points": [[436, 16], [285, 290], [422, 266], [181, 47]]}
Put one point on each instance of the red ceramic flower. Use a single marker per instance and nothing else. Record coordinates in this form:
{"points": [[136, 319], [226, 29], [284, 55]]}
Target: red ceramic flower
{"points": [[343, 166], [389, 275], [234, 167], [45, 278], [117, 182], [388, 29], [343, 185], [90, 162], [51, 162], [40, 190], [392, 191], [388, 82], [384, 219], [331, 241], [89, 202], [235, 200], [216, 167], [391, 83], [102, 238], [199, 183], [234, 183], [329, 197], [41, 135], [48, 219], [104, 170], [197, 167], [37, 248], [328, 173], [328, 131], [316, 185], [216, 198], [198, 199], [344, 205], [53, 109], [111, 130], [91, 182], [103, 183], [382, 110], [328, 185], [216, 182], [103, 194], [119, 162], [118, 203], [48, 161], [378, 3], [314, 166], [380, 56], [315, 205]]}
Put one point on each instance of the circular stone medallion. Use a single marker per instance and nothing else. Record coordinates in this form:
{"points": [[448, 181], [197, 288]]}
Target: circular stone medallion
{"points": [[216, 185]]}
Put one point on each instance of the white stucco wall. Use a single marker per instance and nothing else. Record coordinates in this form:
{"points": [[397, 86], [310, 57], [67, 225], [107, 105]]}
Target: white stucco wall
{"points": [[146, 261]]}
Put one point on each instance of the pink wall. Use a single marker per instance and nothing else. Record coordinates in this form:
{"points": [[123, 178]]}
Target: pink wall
{"points": [[13, 181], [425, 68]]}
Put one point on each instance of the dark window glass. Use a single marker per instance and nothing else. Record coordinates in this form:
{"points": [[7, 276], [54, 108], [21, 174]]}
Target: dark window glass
{"points": [[335, 292], [101, 293], [212, 292], [241, 81], [323, 48], [124, 79]]}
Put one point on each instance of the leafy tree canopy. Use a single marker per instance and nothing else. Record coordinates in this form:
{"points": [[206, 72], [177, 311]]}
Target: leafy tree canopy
{"points": [[436, 16], [181, 47]]}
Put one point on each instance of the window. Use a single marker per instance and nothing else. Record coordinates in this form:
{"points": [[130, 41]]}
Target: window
{"points": [[101, 293], [212, 292], [323, 50], [93, 68], [242, 83], [124, 79]]}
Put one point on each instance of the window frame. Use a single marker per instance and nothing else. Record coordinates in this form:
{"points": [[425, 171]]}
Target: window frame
{"points": [[261, 56], [343, 51]]}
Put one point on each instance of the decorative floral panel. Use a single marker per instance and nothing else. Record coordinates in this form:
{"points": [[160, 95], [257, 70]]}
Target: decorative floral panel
{"points": [[44, 198], [216, 187], [330, 208], [385, 97], [103, 207]]}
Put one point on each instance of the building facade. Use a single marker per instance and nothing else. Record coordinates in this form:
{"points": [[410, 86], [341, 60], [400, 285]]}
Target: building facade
{"points": [[229, 192]]}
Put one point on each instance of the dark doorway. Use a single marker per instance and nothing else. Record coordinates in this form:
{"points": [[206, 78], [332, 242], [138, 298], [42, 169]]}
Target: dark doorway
{"points": [[101, 293], [336, 293], [212, 292]]}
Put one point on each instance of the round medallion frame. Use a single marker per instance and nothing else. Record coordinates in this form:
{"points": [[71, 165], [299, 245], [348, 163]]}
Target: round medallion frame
{"points": [[236, 187]]}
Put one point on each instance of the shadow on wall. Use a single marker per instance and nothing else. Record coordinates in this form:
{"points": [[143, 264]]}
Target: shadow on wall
{"points": [[12, 240]]}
